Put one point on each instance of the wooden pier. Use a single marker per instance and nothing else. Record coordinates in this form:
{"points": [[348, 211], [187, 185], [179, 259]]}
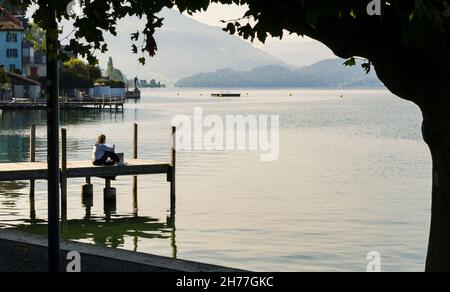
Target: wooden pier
{"points": [[33, 171], [81, 169], [100, 104]]}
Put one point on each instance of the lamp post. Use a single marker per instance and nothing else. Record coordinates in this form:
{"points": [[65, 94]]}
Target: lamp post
{"points": [[53, 142]]}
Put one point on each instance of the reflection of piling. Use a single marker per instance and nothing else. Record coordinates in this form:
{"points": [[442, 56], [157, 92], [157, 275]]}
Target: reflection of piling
{"points": [[171, 172], [32, 182], [173, 237], [135, 156], [87, 197]]}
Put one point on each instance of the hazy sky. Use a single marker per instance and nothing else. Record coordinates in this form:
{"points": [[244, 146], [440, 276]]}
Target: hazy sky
{"points": [[292, 50], [218, 12]]}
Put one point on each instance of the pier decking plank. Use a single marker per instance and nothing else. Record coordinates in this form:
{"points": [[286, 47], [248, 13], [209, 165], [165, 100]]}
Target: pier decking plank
{"points": [[79, 169]]}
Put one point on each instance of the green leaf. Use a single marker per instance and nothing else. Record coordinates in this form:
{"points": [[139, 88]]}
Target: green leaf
{"points": [[134, 49], [350, 62], [230, 28], [367, 67], [135, 36]]}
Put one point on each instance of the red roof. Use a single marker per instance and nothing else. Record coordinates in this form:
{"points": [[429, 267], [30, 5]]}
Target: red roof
{"points": [[23, 78], [8, 21]]}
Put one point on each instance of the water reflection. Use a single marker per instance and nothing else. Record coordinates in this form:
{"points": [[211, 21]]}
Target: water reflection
{"points": [[10, 192], [15, 125], [14, 148], [21, 120], [17, 119], [113, 231], [343, 165]]}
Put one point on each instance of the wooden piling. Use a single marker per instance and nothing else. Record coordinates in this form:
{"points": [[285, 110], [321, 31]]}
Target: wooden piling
{"points": [[109, 198], [135, 183], [109, 193], [87, 197], [171, 172], [33, 143], [87, 190], [32, 182], [64, 173]]}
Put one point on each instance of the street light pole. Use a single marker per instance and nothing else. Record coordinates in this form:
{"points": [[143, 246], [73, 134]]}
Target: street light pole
{"points": [[53, 142]]}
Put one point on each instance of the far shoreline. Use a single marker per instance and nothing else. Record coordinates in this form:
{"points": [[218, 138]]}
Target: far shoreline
{"points": [[283, 88]]}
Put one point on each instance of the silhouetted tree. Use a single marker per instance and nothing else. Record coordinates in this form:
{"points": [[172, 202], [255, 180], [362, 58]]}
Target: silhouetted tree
{"points": [[3, 76], [75, 73], [408, 44], [113, 73], [36, 35]]}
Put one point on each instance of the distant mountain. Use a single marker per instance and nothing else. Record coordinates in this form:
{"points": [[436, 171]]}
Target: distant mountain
{"points": [[327, 73], [298, 52], [185, 47]]}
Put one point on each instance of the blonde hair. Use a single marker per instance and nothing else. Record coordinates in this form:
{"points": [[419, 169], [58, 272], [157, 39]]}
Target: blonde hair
{"points": [[101, 139]]}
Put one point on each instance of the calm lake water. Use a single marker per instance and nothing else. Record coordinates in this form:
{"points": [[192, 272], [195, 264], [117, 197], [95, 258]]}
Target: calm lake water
{"points": [[354, 176]]}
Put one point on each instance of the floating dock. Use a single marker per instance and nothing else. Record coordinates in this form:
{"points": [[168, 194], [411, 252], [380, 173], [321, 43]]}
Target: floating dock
{"points": [[136, 94], [225, 94]]}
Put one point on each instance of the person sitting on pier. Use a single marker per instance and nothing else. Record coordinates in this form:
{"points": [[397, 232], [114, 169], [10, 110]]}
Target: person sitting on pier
{"points": [[105, 155]]}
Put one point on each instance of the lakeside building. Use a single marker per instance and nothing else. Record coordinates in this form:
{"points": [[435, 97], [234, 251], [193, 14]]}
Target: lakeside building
{"points": [[11, 38], [26, 68], [34, 62], [22, 64]]}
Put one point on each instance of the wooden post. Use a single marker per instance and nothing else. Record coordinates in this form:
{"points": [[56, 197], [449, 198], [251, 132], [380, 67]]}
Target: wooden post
{"points": [[87, 190], [135, 141], [135, 182], [109, 198], [32, 182], [64, 173], [87, 196], [33, 143], [171, 174]]}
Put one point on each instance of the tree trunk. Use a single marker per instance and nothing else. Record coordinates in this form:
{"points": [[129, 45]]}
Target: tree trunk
{"points": [[436, 132]]}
